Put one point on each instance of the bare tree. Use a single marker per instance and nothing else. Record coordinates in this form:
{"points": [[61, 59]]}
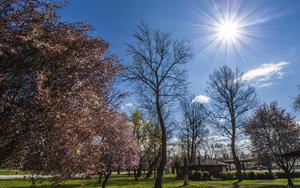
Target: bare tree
{"points": [[214, 148], [157, 72], [231, 99], [192, 128], [297, 102], [273, 131]]}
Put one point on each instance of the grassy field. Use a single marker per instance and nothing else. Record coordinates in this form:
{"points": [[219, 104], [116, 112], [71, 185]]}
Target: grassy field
{"points": [[12, 172], [124, 181]]}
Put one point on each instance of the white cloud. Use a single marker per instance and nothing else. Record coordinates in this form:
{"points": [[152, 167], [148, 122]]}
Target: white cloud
{"points": [[129, 105], [201, 99], [263, 75]]}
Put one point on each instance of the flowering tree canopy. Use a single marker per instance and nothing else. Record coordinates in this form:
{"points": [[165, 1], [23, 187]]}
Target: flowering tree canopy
{"points": [[56, 94]]}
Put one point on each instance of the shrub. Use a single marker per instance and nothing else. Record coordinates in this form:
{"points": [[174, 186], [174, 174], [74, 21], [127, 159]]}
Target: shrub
{"points": [[297, 174], [223, 175], [205, 175], [197, 175], [260, 175], [270, 176], [191, 174], [283, 175], [251, 175]]}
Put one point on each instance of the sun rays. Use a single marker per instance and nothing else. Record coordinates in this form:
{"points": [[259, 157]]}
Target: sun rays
{"points": [[226, 30]]}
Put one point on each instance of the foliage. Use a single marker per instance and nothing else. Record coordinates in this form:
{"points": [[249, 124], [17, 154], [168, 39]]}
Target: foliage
{"points": [[56, 94], [297, 102], [273, 130], [248, 175]]}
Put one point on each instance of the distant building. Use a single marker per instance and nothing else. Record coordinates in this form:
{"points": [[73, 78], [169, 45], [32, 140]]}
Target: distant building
{"points": [[214, 167]]}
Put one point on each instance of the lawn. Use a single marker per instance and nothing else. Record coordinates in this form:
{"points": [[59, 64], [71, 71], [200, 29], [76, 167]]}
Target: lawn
{"points": [[12, 172], [127, 182]]}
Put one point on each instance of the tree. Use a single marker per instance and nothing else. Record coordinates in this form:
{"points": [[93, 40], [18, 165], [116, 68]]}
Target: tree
{"points": [[121, 152], [297, 102], [56, 90], [156, 70], [215, 148], [192, 128], [231, 99], [139, 132], [272, 130]]}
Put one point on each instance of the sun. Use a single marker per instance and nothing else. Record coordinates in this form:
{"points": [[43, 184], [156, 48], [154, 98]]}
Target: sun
{"points": [[228, 31]]}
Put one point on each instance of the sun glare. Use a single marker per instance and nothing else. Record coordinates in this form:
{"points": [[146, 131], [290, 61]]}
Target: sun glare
{"points": [[226, 29]]}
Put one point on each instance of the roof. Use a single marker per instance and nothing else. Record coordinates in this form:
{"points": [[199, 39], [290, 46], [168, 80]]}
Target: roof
{"points": [[210, 162], [241, 160]]}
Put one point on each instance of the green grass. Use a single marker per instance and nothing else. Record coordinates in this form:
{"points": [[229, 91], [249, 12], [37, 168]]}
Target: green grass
{"points": [[12, 172], [124, 181]]}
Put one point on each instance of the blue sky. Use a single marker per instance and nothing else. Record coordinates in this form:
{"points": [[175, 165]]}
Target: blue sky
{"points": [[271, 57]]}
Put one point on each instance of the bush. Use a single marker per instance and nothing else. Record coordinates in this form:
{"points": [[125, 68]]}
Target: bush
{"points": [[223, 175], [251, 175], [197, 175], [247, 175], [231, 175], [297, 174], [283, 175], [270, 176], [205, 176], [191, 174], [227, 175]]}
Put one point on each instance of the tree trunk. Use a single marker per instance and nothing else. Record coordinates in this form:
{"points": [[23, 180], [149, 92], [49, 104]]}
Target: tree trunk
{"points": [[106, 176], [161, 167], [135, 175], [139, 170], [270, 169], [118, 171], [150, 171], [186, 172], [151, 166], [289, 178], [173, 169], [193, 148], [236, 160], [233, 150], [100, 179]]}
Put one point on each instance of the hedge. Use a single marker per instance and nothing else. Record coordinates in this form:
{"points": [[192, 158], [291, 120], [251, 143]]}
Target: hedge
{"points": [[247, 175]]}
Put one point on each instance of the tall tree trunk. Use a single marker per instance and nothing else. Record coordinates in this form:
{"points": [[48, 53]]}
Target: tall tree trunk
{"points": [[193, 148], [186, 172], [162, 164], [106, 177], [236, 161], [233, 150]]}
